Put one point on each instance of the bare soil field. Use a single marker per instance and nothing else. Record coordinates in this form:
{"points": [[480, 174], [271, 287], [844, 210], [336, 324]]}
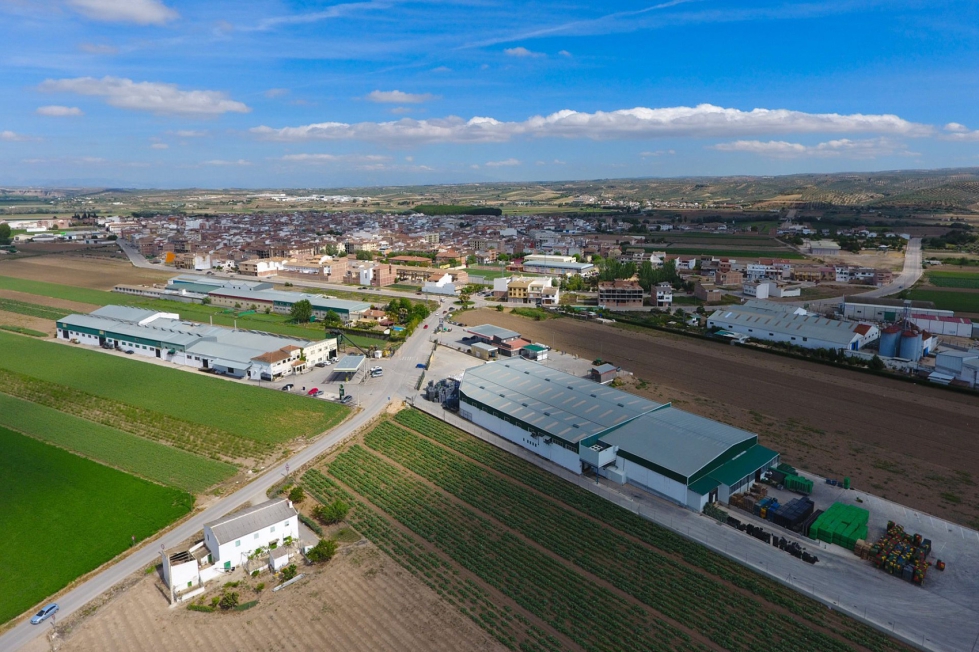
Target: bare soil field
{"points": [[24, 321], [361, 601], [913, 444], [74, 306], [87, 272], [892, 260]]}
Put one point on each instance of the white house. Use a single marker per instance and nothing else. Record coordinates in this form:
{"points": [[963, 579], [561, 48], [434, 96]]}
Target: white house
{"points": [[233, 538], [440, 284], [664, 295]]}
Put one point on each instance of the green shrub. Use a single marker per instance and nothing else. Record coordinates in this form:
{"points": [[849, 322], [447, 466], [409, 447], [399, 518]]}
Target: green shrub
{"points": [[311, 524], [288, 572], [322, 551], [332, 512], [246, 605], [259, 587], [200, 607], [229, 600], [297, 495], [255, 573]]}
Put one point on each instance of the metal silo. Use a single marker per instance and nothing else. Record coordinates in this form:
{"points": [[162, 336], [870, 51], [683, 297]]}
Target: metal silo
{"points": [[890, 339], [910, 345]]}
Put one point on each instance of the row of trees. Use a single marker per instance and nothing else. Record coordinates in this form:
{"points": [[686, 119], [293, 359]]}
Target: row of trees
{"points": [[611, 270], [4, 234]]}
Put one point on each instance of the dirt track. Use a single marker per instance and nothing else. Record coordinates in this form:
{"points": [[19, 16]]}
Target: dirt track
{"points": [[911, 443], [360, 602]]}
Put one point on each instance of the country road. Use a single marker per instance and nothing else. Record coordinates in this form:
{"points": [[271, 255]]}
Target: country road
{"points": [[397, 383]]}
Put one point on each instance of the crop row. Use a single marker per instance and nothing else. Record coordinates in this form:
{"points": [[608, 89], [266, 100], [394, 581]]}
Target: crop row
{"points": [[657, 580], [655, 535], [191, 437], [512, 629], [31, 309], [590, 615], [125, 451]]}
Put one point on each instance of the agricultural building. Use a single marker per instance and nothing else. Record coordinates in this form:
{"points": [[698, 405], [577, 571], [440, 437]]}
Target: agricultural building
{"points": [[887, 310], [811, 332], [233, 538], [557, 266], [204, 284], [580, 425], [282, 302], [484, 351], [162, 335]]}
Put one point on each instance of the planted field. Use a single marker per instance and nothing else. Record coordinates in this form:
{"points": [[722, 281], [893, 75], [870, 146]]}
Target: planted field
{"points": [[57, 291], [192, 437], [153, 461], [658, 540], [734, 253], [64, 515], [31, 310], [256, 414], [968, 280], [947, 299]]}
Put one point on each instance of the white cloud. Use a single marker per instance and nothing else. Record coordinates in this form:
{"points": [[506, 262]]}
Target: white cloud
{"points": [[12, 136], [960, 133], [522, 52], [276, 92], [70, 160], [334, 158], [55, 111], [442, 69], [160, 146], [658, 152], [702, 121], [401, 110], [565, 53], [219, 162], [188, 133], [141, 12], [843, 148], [510, 162], [97, 48], [147, 96], [398, 97]]}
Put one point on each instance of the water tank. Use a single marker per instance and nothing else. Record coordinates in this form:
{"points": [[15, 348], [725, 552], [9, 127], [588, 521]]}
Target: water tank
{"points": [[890, 340], [910, 345]]}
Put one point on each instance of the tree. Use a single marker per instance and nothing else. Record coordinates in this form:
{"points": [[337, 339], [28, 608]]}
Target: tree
{"points": [[322, 551], [365, 255], [470, 259], [289, 572], [499, 309], [420, 311], [332, 512], [574, 283], [302, 311], [4, 233], [229, 600], [297, 495], [331, 318], [876, 363]]}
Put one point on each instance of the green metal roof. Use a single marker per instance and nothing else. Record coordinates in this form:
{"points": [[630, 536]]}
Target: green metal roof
{"points": [[704, 486], [536, 348], [743, 465]]}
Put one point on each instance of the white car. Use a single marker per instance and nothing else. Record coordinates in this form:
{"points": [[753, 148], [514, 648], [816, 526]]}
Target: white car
{"points": [[44, 613]]}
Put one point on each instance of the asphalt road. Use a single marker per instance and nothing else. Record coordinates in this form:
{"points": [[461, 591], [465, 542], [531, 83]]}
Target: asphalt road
{"points": [[398, 382], [909, 275]]}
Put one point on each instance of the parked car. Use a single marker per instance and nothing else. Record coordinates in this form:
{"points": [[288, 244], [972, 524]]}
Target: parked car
{"points": [[130, 351], [320, 364], [316, 391], [44, 613], [347, 399], [287, 387]]}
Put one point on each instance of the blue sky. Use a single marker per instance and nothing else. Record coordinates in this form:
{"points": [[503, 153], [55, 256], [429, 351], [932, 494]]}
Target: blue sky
{"points": [[169, 93]]}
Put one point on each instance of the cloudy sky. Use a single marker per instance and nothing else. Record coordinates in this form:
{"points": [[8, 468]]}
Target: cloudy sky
{"points": [[264, 93]]}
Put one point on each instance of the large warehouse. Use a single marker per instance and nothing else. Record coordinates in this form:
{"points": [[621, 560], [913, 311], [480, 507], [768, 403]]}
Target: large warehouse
{"points": [[807, 331], [580, 424], [281, 302], [163, 335]]}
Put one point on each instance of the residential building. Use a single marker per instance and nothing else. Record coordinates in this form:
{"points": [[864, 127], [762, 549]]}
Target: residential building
{"points": [[620, 294], [232, 539]]}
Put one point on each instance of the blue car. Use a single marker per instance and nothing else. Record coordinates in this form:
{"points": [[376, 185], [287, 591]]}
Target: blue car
{"points": [[44, 614]]}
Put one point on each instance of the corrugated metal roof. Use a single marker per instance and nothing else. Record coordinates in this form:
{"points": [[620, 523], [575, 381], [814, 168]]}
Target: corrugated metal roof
{"points": [[251, 520], [743, 465], [676, 440], [124, 313], [556, 403], [318, 302], [490, 331], [350, 363], [818, 328]]}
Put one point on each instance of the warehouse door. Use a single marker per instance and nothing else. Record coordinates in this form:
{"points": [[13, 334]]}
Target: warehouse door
{"points": [[712, 497]]}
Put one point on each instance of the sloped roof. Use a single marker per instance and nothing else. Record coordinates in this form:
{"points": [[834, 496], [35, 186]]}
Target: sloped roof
{"points": [[253, 519]]}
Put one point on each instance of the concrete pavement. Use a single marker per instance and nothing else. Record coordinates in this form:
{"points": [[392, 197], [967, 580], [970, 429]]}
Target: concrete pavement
{"points": [[397, 383]]}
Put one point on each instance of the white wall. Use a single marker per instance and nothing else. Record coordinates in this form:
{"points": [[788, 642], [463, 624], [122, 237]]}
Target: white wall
{"points": [[553, 452], [237, 551], [653, 481]]}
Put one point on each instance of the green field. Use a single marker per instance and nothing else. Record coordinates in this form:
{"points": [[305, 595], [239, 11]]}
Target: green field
{"points": [[251, 412], [31, 309], [969, 280], [56, 291], [163, 464], [64, 515], [946, 300]]}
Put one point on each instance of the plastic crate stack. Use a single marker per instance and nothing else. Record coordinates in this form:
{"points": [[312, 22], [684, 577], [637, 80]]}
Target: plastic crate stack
{"points": [[841, 524], [902, 554]]}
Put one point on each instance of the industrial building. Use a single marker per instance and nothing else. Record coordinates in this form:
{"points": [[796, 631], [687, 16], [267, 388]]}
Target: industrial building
{"points": [[887, 310], [959, 365], [581, 425], [506, 342], [163, 335], [557, 265], [807, 331], [281, 302]]}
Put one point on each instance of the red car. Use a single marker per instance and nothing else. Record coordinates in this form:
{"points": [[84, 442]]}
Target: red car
{"points": [[426, 325], [314, 392]]}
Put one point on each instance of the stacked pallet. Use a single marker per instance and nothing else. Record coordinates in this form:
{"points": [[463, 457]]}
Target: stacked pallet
{"points": [[841, 524]]}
